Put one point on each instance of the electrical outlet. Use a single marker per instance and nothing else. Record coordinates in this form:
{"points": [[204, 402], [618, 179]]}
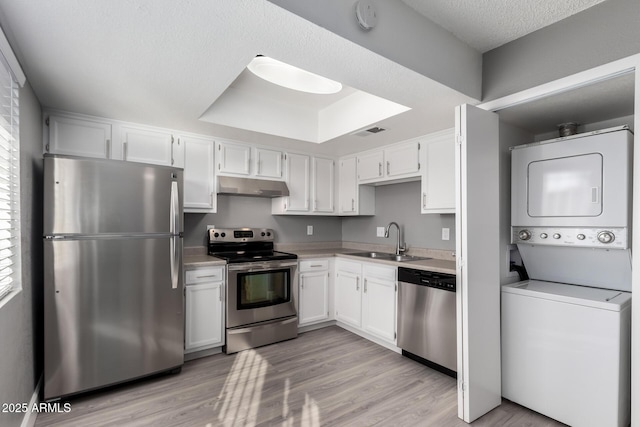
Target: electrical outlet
{"points": [[445, 234], [309, 230], [380, 232], [209, 227]]}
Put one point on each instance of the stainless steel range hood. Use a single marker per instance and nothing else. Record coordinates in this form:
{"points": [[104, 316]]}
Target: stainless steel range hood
{"points": [[232, 186]]}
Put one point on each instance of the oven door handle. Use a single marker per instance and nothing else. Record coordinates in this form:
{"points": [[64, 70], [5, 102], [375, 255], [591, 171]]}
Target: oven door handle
{"points": [[254, 266]]}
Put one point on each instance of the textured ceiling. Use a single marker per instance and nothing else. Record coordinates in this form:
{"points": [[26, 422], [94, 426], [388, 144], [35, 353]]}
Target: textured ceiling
{"points": [[487, 24]]}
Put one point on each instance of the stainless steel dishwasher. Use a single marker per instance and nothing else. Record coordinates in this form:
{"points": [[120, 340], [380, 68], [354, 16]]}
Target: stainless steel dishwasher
{"points": [[427, 318]]}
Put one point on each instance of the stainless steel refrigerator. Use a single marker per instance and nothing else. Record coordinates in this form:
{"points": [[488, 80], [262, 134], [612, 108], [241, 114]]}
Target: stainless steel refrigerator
{"points": [[113, 297]]}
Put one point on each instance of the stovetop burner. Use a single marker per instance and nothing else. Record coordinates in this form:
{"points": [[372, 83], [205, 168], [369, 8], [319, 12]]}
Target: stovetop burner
{"points": [[244, 245]]}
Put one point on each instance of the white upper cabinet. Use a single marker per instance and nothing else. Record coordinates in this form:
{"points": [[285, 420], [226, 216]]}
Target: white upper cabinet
{"points": [[323, 185], [146, 145], [268, 163], [79, 137], [402, 160], [233, 159], [370, 166], [438, 193], [398, 161], [248, 161], [298, 175], [353, 199], [199, 175], [311, 183]]}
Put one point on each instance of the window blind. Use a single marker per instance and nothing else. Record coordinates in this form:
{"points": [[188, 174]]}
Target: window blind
{"points": [[9, 183]]}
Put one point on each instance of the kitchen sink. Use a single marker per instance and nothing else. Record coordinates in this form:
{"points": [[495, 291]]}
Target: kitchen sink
{"points": [[388, 257]]}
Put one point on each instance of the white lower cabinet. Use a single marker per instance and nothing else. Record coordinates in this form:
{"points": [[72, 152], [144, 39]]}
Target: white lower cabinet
{"points": [[379, 301], [348, 294], [314, 294], [365, 298], [204, 311]]}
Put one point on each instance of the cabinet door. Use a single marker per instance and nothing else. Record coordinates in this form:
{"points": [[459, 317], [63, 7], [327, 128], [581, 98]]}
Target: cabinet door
{"points": [[199, 179], [323, 185], [203, 321], [348, 298], [370, 166], [379, 307], [348, 185], [314, 297], [147, 146], [402, 160], [268, 163], [438, 177], [234, 159], [78, 137], [298, 182]]}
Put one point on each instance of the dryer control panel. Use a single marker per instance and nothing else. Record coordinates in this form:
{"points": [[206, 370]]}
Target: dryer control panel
{"points": [[606, 238]]}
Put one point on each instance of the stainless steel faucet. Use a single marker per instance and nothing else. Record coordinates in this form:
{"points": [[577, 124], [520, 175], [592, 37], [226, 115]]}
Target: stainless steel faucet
{"points": [[399, 249]]}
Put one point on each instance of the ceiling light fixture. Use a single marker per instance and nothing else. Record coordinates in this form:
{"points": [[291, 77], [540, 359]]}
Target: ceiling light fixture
{"points": [[292, 77]]}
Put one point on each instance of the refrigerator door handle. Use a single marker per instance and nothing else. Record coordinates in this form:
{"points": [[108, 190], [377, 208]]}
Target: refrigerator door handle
{"points": [[173, 228]]}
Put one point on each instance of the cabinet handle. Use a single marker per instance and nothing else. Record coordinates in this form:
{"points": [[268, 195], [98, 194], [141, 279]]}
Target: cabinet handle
{"points": [[206, 277], [380, 169], [315, 205], [316, 265], [212, 204], [301, 283], [125, 151], [365, 286], [220, 293], [357, 283], [424, 200], [353, 205], [388, 167], [108, 148], [258, 164], [248, 164]]}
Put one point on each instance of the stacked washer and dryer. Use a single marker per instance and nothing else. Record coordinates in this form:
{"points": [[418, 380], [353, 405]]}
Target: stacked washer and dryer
{"points": [[566, 331]]}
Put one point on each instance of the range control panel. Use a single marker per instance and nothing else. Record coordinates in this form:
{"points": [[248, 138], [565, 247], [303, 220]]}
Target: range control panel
{"points": [[240, 234], [606, 238]]}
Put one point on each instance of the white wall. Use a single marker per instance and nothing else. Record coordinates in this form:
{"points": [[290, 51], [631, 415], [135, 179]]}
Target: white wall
{"points": [[21, 317]]}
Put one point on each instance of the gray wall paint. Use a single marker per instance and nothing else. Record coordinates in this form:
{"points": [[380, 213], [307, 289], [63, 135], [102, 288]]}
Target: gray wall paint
{"points": [[401, 203], [21, 333], [402, 35], [235, 211], [596, 36]]}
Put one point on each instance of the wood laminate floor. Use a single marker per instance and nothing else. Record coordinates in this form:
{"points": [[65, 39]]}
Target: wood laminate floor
{"points": [[327, 377]]}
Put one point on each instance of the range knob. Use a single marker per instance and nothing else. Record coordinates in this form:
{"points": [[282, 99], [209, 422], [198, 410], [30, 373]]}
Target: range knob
{"points": [[543, 235], [268, 233], [524, 234], [262, 234], [556, 235], [581, 236], [223, 234], [606, 237], [216, 235]]}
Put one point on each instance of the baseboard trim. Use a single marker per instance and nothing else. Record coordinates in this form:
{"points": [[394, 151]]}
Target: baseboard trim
{"points": [[29, 419]]}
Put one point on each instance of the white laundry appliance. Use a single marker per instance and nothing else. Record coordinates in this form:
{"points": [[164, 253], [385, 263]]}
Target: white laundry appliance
{"points": [[566, 332]]}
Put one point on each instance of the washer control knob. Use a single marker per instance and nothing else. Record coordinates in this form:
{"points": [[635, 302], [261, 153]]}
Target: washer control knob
{"points": [[543, 235], [524, 235], [556, 235], [606, 237], [581, 236]]}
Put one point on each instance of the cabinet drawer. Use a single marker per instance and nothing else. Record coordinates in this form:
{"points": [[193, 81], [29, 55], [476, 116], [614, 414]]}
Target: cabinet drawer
{"points": [[379, 271], [348, 266], [201, 275], [314, 265]]}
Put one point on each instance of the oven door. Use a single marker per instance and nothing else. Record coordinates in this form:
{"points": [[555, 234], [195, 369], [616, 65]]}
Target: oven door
{"points": [[258, 292]]}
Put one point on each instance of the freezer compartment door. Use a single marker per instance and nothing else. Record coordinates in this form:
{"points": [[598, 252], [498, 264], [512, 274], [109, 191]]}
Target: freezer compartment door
{"points": [[93, 196], [112, 312]]}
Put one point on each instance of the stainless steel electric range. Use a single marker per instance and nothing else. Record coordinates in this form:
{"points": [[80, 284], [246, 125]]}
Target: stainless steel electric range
{"points": [[261, 287]]}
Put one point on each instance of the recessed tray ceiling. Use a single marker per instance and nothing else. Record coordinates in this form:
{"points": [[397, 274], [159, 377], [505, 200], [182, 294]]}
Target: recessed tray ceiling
{"points": [[254, 104]]}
